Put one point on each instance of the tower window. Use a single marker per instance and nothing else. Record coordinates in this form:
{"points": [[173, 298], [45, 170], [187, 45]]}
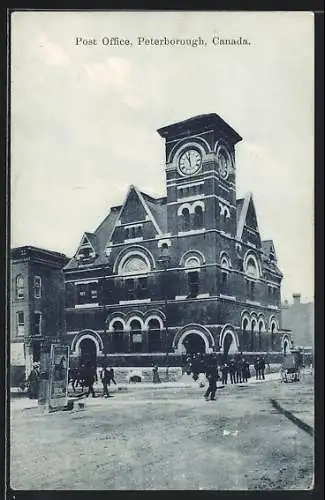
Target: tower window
{"points": [[198, 217], [185, 219]]}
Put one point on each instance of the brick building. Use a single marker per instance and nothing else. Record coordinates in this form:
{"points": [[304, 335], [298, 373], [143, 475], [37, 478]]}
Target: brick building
{"points": [[37, 304], [186, 272]]}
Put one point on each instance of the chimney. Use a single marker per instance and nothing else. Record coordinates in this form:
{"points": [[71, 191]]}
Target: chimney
{"points": [[296, 298]]}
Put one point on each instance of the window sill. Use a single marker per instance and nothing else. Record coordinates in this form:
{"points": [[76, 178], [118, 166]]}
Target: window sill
{"points": [[191, 231], [85, 306], [134, 301]]}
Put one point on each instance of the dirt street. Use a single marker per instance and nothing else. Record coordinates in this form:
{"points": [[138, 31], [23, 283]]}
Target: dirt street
{"points": [[169, 438]]}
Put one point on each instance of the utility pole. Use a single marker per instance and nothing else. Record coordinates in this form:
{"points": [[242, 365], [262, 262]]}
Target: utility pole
{"points": [[164, 259]]}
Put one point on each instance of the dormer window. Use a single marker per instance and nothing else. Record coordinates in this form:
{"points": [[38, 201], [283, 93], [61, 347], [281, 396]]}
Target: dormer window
{"points": [[86, 249]]}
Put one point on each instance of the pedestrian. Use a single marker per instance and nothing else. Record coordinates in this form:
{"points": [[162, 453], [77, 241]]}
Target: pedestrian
{"points": [[257, 368], [155, 375], [262, 368], [104, 376], [90, 379], [239, 371], [224, 371], [232, 372], [246, 372], [212, 376], [195, 367], [33, 381]]}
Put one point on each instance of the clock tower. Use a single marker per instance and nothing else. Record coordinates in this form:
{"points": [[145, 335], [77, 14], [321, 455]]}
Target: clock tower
{"points": [[200, 175]]}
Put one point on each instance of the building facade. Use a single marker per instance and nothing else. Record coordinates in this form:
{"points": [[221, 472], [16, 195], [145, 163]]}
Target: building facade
{"points": [[37, 304], [186, 272], [299, 318]]}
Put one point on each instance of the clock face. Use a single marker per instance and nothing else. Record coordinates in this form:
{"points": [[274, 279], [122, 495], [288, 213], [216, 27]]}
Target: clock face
{"points": [[190, 162], [224, 163]]}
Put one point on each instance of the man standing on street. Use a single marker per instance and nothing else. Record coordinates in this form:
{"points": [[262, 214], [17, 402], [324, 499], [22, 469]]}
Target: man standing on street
{"points": [[212, 376], [257, 368], [224, 371], [262, 367], [90, 379], [232, 371]]}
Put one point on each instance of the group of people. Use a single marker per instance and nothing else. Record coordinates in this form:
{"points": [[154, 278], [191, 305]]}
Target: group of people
{"points": [[236, 369], [86, 376]]}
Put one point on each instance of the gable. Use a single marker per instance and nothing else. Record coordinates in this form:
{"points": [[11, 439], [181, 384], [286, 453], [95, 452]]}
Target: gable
{"points": [[133, 209], [247, 226], [251, 220], [136, 220], [87, 248]]}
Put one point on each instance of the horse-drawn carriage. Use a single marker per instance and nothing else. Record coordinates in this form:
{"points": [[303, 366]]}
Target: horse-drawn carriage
{"points": [[291, 366]]}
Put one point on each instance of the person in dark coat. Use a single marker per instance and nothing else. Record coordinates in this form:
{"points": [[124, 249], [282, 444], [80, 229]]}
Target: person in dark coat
{"points": [[212, 376], [239, 371], [33, 381], [257, 368], [246, 372], [90, 379], [195, 367], [232, 372], [262, 368], [224, 371], [155, 375]]}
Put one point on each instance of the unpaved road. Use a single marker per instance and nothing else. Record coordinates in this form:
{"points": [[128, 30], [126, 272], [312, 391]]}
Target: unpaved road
{"points": [[168, 439]]}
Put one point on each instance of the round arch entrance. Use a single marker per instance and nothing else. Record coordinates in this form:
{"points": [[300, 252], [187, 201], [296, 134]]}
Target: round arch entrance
{"points": [[88, 352], [229, 345], [193, 343]]}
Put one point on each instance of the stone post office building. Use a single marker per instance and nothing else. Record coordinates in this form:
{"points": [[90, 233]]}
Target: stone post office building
{"points": [[186, 272]]}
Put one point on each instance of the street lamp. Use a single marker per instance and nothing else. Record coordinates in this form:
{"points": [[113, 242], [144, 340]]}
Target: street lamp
{"points": [[164, 260]]}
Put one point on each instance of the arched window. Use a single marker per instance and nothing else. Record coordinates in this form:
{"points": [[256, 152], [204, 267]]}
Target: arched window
{"points": [[251, 267], [185, 219], [198, 217], [136, 336], [135, 264], [225, 265], [253, 330], [260, 330], [117, 344], [273, 329], [154, 336], [245, 333], [20, 287], [136, 287]]}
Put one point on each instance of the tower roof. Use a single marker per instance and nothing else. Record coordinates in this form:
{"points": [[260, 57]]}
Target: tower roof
{"points": [[200, 123]]}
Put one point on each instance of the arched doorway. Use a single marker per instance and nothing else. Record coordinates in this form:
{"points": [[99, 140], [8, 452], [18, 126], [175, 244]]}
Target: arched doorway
{"points": [[194, 344], [88, 353], [229, 344], [285, 346]]}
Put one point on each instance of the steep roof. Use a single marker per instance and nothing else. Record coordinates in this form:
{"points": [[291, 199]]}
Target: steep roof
{"points": [[200, 122], [155, 207], [158, 208], [239, 207]]}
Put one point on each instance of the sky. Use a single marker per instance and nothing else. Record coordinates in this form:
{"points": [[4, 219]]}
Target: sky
{"points": [[84, 119]]}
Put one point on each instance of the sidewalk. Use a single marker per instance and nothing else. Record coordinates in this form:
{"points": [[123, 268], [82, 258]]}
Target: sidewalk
{"points": [[186, 382]]}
